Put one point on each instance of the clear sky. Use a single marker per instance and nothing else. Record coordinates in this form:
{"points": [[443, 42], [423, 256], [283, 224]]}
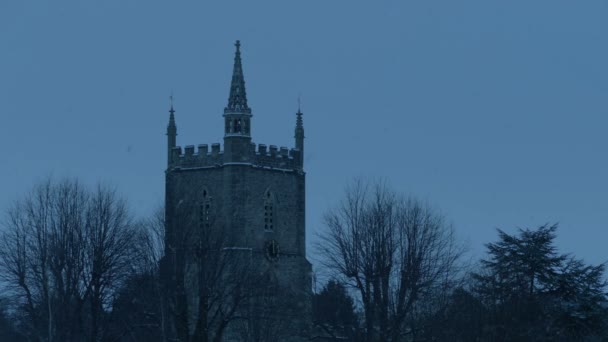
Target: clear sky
{"points": [[494, 111]]}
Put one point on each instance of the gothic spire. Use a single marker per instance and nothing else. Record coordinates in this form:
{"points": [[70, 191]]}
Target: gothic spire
{"points": [[171, 113], [171, 132], [299, 123], [237, 101], [299, 133]]}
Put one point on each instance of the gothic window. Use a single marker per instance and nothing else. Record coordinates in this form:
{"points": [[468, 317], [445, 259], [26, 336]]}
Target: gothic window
{"points": [[205, 211], [237, 126], [268, 211]]}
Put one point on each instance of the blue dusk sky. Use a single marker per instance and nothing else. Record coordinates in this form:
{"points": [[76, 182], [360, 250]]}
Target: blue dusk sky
{"points": [[493, 111]]}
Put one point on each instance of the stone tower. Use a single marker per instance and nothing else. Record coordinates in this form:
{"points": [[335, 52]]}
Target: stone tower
{"points": [[232, 213]]}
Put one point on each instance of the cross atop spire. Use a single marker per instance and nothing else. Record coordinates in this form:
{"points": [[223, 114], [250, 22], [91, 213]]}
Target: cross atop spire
{"points": [[237, 101]]}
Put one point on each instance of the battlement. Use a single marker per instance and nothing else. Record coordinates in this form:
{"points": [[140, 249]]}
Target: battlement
{"points": [[200, 157], [264, 156], [279, 158]]}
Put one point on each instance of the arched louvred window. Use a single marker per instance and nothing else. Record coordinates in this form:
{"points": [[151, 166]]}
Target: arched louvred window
{"points": [[237, 125], [205, 211], [269, 216]]}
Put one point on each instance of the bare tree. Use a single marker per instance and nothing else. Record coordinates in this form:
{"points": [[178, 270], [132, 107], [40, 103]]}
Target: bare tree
{"points": [[151, 237], [138, 308], [217, 291], [41, 258], [207, 280], [270, 315], [110, 245], [65, 248], [394, 252]]}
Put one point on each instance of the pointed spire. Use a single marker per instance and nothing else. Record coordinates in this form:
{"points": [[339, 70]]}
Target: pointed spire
{"points": [[299, 133], [299, 123], [171, 127], [237, 101], [171, 132], [171, 112]]}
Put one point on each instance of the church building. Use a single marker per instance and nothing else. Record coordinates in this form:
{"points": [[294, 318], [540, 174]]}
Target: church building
{"points": [[235, 247]]}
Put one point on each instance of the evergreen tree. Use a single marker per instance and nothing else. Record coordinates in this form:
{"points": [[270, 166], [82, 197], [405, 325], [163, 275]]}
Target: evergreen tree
{"points": [[334, 310], [461, 320], [533, 293], [136, 312]]}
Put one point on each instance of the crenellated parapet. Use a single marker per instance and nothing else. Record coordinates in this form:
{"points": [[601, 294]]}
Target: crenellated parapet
{"points": [[271, 157], [201, 157], [277, 158]]}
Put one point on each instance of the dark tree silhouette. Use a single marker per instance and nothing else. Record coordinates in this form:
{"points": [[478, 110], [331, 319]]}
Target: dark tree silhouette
{"points": [[64, 251], [394, 252], [137, 309], [334, 311], [8, 324], [461, 320], [533, 293]]}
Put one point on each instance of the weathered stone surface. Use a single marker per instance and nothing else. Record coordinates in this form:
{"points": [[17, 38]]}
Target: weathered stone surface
{"points": [[243, 182]]}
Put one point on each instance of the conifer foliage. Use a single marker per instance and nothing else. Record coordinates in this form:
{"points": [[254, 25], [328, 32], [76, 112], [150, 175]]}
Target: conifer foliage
{"points": [[531, 292], [334, 311]]}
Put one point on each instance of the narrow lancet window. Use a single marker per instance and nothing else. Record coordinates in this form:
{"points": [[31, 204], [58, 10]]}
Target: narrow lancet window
{"points": [[205, 211], [237, 125], [268, 212]]}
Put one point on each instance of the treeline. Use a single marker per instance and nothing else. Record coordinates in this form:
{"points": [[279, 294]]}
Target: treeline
{"points": [[399, 275], [69, 255], [75, 265]]}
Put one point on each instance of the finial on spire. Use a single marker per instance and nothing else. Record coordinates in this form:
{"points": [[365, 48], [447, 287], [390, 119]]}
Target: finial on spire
{"points": [[299, 102], [171, 100], [237, 101]]}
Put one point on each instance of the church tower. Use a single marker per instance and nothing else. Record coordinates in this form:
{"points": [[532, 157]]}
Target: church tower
{"points": [[235, 231]]}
